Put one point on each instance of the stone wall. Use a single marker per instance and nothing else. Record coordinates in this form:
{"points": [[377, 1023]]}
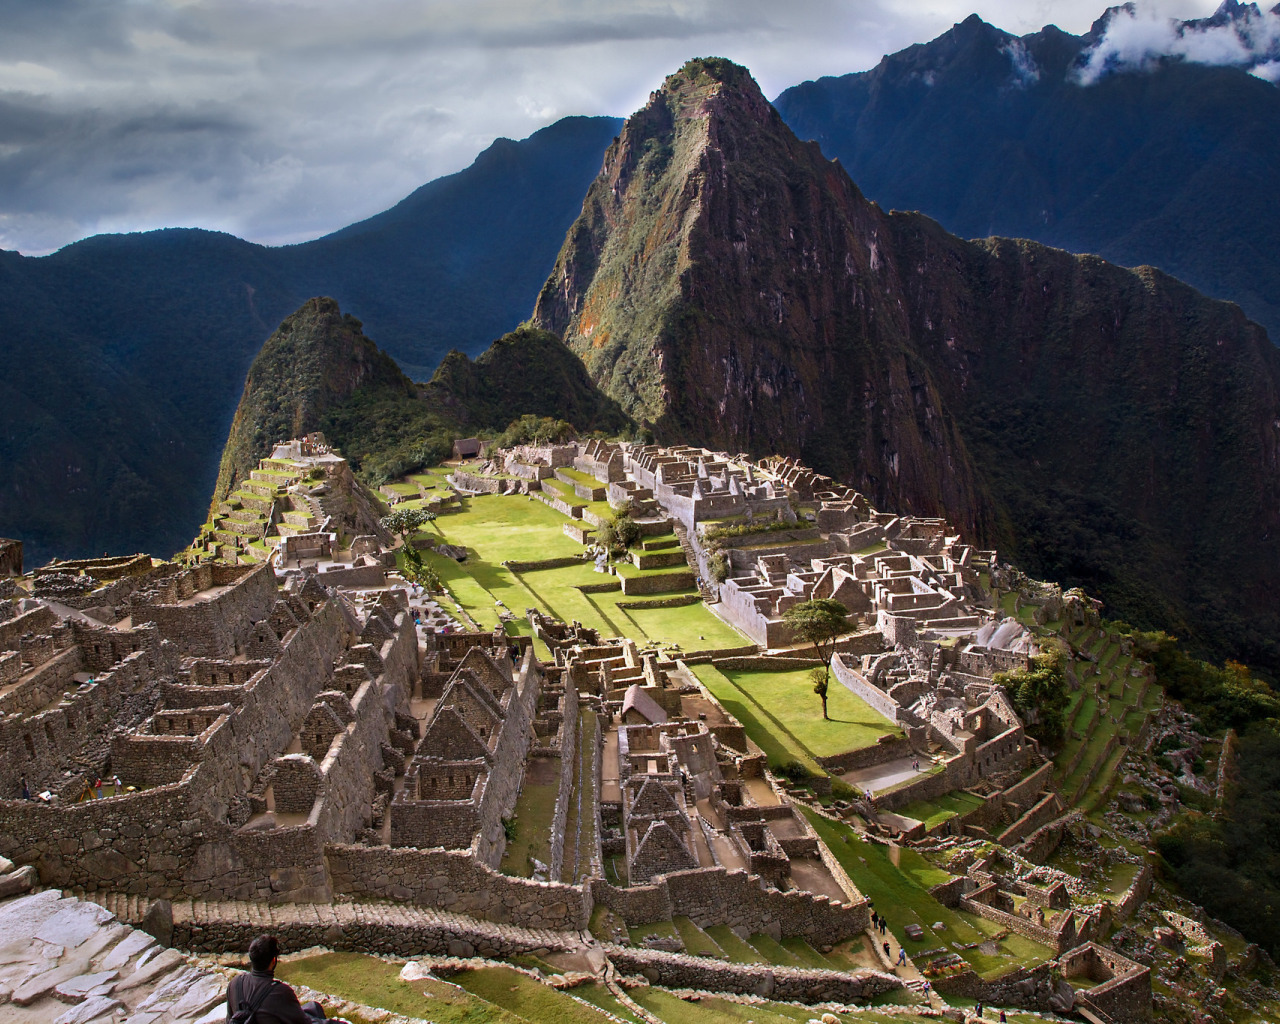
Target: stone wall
{"points": [[44, 746], [568, 760], [714, 896], [656, 583], [454, 880], [1124, 989], [889, 749], [1045, 810], [38, 620], [792, 984], [856, 684], [356, 576], [218, 627]]}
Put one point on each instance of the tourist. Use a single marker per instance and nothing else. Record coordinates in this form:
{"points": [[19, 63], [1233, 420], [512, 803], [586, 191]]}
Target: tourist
{"points": [[902, 957], [925, 989], [98, 787], [875, 920], [977, 1011], [26, 793], [888, 953], [1003, 1019], [115, 781], [274, 1001]]}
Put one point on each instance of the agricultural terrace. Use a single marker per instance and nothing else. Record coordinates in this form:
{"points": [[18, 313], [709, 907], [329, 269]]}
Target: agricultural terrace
{"points": [[516, 528]]}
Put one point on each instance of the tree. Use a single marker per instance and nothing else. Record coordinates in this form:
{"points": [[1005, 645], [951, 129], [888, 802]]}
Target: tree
{"points": [[819, 622], [619, 533], [818, 677], [1040, 694], [405, 520]]}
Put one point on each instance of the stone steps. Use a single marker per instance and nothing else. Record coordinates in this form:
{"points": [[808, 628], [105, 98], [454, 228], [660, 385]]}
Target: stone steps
{"points": [[381, 926]]}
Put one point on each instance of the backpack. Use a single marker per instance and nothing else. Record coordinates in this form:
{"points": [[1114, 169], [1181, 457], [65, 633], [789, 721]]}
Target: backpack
{"points": [[248, 1013]]}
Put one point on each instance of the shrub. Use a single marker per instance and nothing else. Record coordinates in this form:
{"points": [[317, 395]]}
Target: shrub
{"points": [[718, 566], [793, 771]]}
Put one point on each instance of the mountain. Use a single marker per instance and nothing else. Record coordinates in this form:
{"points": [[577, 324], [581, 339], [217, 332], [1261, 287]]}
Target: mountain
{"points": [[1052, 136], [125, 353], [320, 371], [313, 363], [729, 285]]}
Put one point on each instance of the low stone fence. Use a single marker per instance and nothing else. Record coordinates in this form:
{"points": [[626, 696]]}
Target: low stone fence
{"points": [[791, 984], [560, 505], [547, 563], [764, 663], [1057, 939], [859, 687], [657, 583], [663, 602], [658, 559], [878, 753]]}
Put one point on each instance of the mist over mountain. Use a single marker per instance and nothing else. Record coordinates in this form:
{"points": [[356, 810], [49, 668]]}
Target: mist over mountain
{"points": [[1145, 140], [126, 353], [731, 286]]}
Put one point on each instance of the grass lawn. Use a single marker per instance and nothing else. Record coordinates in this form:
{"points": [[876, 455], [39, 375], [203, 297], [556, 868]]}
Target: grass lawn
{"points": [[779, 746], [785, 704], [897, 880], [580, 477], [368, 980], [696, 941], [530, 999], [498, 528], [935, 812], [734, 948], [665, 929], [535, 808]]}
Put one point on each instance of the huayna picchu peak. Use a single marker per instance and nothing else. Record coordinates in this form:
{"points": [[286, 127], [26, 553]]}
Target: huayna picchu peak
{"points": [[728, 284]]}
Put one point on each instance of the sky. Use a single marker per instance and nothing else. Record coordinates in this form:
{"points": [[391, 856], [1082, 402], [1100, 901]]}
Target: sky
{"points": [[281, 121]]}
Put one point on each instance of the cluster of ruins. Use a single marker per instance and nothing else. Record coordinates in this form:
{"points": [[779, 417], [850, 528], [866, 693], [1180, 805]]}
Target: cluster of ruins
{"points": [[286, 728]]}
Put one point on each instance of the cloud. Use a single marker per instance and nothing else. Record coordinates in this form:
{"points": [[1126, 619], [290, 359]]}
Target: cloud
{"points": [[1138, 38], [280, 120]]}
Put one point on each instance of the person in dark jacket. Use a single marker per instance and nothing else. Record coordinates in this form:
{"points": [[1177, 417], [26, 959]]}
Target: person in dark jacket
{"points": [[280, 1005]]}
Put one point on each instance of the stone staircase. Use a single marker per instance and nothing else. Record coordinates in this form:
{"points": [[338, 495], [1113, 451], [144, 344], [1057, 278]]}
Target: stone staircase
{"points": [[708, 589], [381, 926]]}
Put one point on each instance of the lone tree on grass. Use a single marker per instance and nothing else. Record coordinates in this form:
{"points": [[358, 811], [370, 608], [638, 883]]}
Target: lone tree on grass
{"points": [[819, 622], [405, 520]]}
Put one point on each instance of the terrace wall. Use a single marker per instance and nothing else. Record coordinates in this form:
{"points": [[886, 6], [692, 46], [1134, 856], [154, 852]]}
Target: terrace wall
{"points": [[456, 881]]}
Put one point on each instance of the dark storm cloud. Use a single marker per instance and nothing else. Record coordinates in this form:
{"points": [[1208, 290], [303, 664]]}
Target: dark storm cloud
{"points": [[282, 120]]}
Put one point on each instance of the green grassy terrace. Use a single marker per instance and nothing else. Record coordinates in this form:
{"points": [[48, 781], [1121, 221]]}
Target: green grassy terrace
{"points": [[500, 528]]}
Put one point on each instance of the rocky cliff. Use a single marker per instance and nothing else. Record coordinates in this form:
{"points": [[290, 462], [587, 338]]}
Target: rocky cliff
{"points": [[1104, 426]]}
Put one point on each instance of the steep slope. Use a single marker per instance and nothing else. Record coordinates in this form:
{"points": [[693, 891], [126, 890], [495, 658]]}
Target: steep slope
{"points": [[319, 371], [723, 276], [313, 362], [125, 353], [1103, 426], [995, 134]]}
